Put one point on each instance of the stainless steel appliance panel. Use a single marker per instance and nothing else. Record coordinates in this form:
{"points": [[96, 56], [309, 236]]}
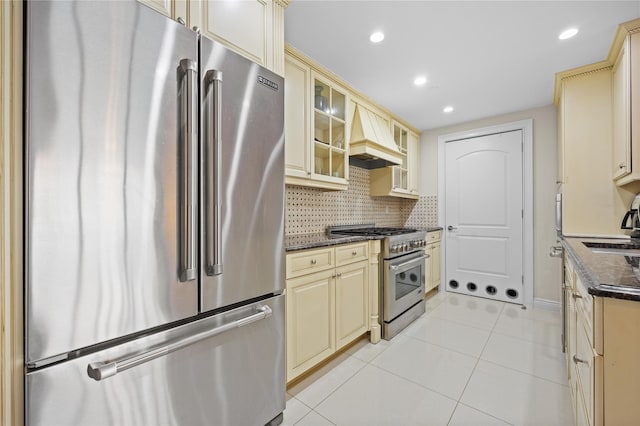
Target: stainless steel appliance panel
{"points": [[233, 378], [404, 279], [242, 167], [103, 96]]}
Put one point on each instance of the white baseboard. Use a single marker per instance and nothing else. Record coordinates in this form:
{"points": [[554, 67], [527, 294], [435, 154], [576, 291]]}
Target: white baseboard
{"points": [[547, 305]]}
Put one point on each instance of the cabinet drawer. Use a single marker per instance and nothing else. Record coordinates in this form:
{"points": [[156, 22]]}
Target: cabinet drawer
{"points": [[309, 261], [351, 253], [434, 236]]}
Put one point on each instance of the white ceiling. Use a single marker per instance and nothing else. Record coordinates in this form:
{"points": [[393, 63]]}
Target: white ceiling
{"points": [[485, 58]]}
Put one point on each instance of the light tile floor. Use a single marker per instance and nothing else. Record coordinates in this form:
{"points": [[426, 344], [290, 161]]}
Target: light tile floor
{"points": [[466, 361]]}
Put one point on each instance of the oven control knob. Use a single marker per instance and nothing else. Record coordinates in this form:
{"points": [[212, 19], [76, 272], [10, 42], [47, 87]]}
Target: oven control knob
{"points": [[393, 249], [405, 247]]}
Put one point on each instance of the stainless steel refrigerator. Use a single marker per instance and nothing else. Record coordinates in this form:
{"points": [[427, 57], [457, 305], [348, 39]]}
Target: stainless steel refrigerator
{"points": [[154, 228]]}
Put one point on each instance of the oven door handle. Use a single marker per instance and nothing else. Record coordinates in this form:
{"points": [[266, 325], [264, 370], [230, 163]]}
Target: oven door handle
{"points": [[408, 262]]}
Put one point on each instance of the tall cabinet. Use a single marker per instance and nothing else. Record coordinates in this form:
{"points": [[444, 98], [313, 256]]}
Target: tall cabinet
{"points": [[599, 171], [591, 202]]}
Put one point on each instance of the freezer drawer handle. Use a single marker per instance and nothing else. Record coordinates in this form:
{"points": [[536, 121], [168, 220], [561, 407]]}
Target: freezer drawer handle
{"points": [[213, 186], [189, 168], [102, 370]]}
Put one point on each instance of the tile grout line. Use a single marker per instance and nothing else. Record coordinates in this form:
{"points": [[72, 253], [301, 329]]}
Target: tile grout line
{"points": [[412, 382], [525, 373], [473, 371]]}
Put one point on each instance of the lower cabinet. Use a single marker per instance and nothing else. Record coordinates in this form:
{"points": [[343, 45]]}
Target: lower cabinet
{"points": [[326, 309], [310, 321], [432, 263], [352, 313], [585, 364]]}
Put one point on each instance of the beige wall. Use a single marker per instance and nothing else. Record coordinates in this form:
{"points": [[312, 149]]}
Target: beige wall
{"points": [[546, 270]]}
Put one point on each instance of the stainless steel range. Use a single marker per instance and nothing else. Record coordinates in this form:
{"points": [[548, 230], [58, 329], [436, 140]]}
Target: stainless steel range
{"points": [[402, 273]]}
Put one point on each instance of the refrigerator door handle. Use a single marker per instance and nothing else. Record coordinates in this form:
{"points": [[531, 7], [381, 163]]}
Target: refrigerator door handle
{"points": [[213, 233], [188, 194], [102, 370]]}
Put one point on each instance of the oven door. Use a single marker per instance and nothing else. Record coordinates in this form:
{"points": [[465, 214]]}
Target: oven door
{"points": [[403, 284]]}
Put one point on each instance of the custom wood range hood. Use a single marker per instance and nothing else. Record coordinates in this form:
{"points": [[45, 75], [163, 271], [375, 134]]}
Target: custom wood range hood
{"points": [[371, 145]]}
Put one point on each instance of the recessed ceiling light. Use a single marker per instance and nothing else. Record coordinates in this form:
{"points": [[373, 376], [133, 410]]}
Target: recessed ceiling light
{"points": [[376, 37], [447, 109], [420, 80], [568, 33]]}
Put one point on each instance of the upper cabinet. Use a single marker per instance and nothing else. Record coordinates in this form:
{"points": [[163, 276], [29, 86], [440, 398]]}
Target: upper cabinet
{"points": [[625, 55], [401, 180], [329, 125], [315, 107], [329, 128], [252, 28], [621, 114]]}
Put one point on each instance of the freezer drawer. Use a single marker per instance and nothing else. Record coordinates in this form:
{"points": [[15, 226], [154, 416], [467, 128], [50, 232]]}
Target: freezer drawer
{"points": [[235, 377]]}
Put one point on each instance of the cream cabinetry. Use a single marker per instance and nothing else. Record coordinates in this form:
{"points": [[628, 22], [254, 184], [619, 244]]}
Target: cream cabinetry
{"points": [[352, 313], [432, 263], [316, 152], [253, 28], [330, 301], [599, 169], [625, 55], [591, 203], [585, 351], [621, 114], [310, 321], [402, 180], [327, 122]]}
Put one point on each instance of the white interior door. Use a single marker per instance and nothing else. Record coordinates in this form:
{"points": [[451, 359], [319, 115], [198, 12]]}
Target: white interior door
{"points": [[484, 216]]}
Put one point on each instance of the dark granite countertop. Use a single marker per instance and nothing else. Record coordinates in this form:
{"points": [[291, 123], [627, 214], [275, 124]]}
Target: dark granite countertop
{"points": [[431, 228], [605, 275], [307, 241]]}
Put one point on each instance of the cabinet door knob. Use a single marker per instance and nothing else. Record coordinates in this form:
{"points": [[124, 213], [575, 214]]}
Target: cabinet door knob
{"points": [[621, 166], [577, 360], [576, 296], [354, 253], [313, 261], [339, 274]]}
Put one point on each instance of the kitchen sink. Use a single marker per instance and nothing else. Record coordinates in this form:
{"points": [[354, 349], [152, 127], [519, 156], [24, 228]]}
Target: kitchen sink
{"points": [[623, 248]]}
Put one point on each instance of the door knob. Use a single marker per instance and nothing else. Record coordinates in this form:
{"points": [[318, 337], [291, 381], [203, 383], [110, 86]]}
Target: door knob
{"points": [[451, 228]]}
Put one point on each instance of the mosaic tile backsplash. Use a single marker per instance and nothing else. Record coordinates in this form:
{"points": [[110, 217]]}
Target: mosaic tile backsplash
{"points": [[311, 210]]}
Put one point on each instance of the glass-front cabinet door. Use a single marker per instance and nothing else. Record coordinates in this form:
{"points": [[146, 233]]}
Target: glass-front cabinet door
{"points": [[400, 173], [330, 157]]}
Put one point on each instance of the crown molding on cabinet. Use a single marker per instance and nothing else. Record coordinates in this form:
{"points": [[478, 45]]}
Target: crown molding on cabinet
{"points": [[292, 51], [623, 31]]}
